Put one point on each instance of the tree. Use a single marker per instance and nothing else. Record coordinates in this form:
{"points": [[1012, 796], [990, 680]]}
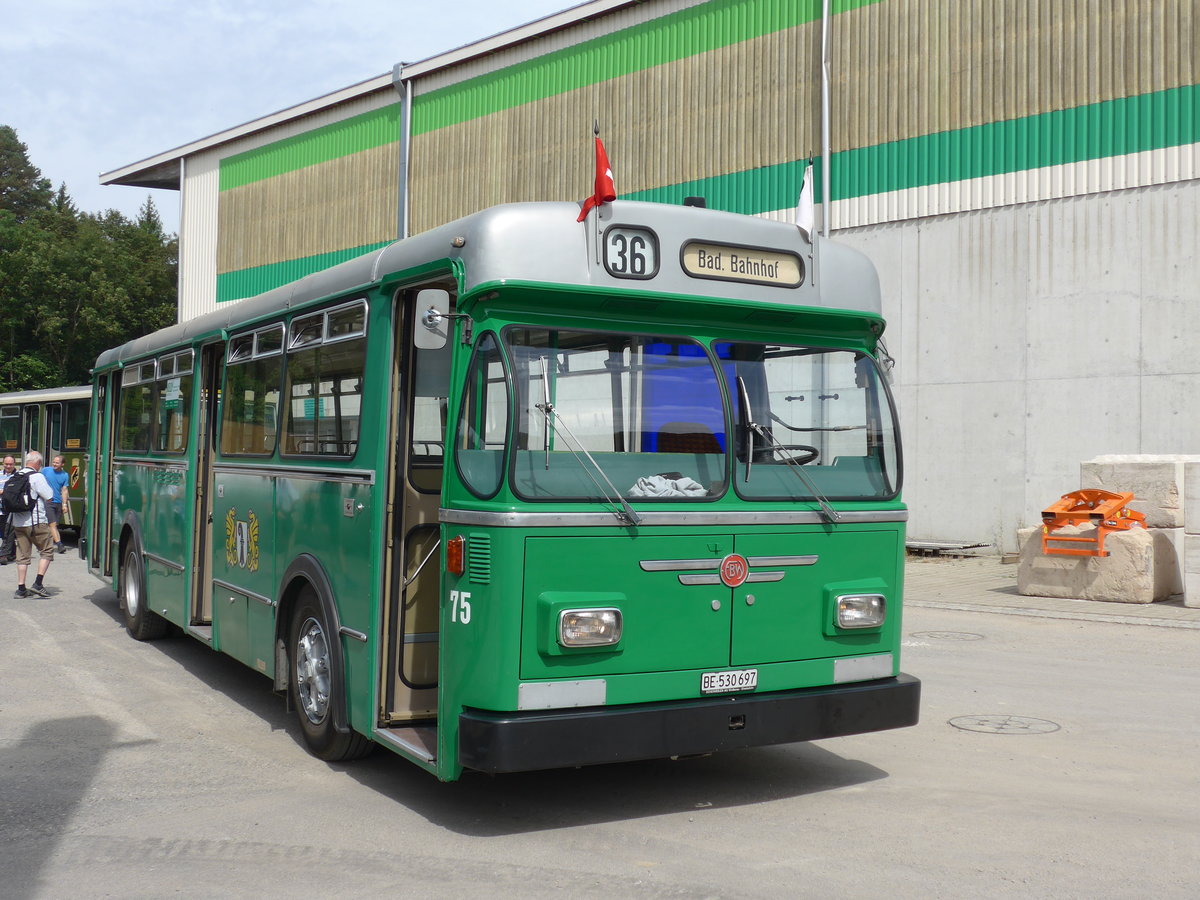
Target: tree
{"points": [[73, 284], [23, 190]]}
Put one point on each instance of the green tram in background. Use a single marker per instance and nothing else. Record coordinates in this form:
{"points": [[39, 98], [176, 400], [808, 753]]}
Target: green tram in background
{"points": [[522, 493], [53, 421]]}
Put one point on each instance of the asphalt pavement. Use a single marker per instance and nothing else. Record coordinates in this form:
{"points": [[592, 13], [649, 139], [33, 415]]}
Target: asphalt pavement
{"points": [[1055, 757]]}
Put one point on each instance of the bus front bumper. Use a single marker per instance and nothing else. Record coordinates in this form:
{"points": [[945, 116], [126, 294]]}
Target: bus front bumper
{"points": [[549, 739]]}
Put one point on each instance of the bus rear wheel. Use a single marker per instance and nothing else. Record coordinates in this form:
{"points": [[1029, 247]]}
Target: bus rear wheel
{"points": [[140, 621], [315, 683]]}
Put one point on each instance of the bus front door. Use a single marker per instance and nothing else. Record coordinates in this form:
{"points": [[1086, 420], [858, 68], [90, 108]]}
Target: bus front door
{"points": [[412, 608]]}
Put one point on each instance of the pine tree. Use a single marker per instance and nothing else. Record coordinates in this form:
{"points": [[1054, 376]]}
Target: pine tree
{"points": [[23, 190]]}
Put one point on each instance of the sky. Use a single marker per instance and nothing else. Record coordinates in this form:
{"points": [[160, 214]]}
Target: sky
{"points": [[93, 86]]}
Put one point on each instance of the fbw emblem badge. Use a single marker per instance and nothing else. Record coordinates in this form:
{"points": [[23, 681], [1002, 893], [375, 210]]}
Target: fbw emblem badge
{"points": [[734, 570], [241, 540]]}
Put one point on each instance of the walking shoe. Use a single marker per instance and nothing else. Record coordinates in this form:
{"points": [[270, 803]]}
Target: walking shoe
{"points": [[21, 592], [39, 590], [59, 546]]}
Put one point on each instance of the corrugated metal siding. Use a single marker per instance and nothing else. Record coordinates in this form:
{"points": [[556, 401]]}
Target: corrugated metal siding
{"points": [[984, 100], [307, 194], [198, 236], [348, 201], [739, 106], [939, 106]]}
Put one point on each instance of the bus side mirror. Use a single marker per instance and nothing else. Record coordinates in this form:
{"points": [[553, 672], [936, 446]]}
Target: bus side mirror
{"points": [[432, 326]]}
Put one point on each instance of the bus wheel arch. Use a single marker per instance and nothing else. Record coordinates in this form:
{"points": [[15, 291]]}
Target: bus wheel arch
{"points": [[141, 622], [310, 664]]}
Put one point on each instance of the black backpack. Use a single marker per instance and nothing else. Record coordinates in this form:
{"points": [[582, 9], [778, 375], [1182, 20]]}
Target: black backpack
{"points": [[17, 495]]}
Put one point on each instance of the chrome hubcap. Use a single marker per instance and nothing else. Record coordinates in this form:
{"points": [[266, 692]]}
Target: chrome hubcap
{"points": [[131, 587], [312, 671]]}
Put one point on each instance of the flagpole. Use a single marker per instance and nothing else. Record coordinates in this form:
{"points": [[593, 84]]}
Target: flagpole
{"points": [[599, 250]]}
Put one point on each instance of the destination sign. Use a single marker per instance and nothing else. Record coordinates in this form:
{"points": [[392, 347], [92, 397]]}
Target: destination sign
{"points": [[726, 262]]}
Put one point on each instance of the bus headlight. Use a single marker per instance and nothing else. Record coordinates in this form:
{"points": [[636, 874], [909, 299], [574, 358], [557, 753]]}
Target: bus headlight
{"points": [[861, 610], [589, 627]]}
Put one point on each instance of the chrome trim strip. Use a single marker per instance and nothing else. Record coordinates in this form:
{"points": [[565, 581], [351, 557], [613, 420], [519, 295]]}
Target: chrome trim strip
{"points": [[699, 579], [351, 633], [354, 476], [783, 560], [163, 562], [718, 518], [385, 736], [241, 590], [674, 565], [758, 577], [182, 465]]}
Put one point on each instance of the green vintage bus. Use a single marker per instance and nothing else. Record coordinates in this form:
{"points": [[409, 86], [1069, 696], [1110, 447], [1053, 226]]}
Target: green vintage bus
{"points": [[53, 421], [521, 492]]}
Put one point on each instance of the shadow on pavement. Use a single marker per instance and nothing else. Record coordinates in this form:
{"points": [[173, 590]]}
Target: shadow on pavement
{"points": [[482, 805], [43, 778]]}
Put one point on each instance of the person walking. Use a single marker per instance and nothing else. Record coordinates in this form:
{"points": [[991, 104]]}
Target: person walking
{"points": [[59, 482], [32, 528], [8, 550]]}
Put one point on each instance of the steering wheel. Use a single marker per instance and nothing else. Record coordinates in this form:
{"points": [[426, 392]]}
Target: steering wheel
{"points": [[810, 452]]}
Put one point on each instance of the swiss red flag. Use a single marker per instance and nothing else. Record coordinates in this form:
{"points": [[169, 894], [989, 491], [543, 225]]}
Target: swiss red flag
{"points": [[605, 191]]}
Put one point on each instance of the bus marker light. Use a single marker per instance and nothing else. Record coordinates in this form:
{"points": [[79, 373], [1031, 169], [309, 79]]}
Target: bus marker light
{"points": [[589, 627], [456, 555], [861, 610]]}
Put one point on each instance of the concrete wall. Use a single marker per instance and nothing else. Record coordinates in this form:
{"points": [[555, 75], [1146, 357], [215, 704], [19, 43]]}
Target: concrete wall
{"points": [[1031, 337]]}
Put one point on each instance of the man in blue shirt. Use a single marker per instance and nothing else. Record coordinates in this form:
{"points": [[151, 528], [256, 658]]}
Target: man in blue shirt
{"points": [[59, 482]]}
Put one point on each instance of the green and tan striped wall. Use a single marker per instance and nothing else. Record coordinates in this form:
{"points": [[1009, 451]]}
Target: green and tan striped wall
{"points": [[307, 202], [938, 106]]}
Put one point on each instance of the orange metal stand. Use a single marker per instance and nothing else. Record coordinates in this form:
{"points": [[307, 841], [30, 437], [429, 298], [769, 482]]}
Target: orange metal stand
{"points": [[1104, 509]]}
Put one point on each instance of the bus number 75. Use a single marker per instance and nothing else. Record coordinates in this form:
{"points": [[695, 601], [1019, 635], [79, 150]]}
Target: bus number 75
{"points": [[460, 606]]}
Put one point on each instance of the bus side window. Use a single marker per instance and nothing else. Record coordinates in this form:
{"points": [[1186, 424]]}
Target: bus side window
{"points": [[326, 370], [250, 398]]}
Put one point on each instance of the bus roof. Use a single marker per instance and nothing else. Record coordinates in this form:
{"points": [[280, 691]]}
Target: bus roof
{"points": [[543, 243], [80, 392]]}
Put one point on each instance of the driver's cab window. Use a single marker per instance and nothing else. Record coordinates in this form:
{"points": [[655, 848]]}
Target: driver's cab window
{"points": [[428, 406], [826, 411]]}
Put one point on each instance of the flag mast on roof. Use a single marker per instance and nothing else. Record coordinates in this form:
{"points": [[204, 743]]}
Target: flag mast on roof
{"points": [[603, 191]]}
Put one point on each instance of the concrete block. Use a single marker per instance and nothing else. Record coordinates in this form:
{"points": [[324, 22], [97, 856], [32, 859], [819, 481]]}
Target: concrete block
{"points": [[1126, 575], [1191, 570], [1191, 497], [1156, 481], [1191, 589], [1169, 550]]}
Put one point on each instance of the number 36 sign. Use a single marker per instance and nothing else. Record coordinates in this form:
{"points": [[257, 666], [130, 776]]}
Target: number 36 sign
{"points": [[630, 252]]}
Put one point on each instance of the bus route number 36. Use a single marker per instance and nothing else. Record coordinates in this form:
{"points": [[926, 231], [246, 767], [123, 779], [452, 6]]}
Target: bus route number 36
{"points": [[630, 252], [460, 606]]}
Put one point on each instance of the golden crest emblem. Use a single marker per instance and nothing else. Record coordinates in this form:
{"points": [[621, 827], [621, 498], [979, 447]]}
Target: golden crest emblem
{"points": [[241, 540]]}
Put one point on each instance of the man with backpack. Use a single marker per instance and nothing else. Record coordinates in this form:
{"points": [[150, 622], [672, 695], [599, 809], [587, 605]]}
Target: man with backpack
{"points": [[25, 495], [8, 546]]}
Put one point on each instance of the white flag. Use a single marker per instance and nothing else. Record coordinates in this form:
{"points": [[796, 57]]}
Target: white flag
{"points": [[804, 206]]}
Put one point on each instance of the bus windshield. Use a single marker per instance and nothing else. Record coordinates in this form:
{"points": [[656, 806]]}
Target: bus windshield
{"points": [[604, 415], [645, 411], [825, 426]]}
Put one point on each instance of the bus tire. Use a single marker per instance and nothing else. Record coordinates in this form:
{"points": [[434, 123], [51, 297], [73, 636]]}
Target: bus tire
{"points": [[141, 622], [315, 684]]}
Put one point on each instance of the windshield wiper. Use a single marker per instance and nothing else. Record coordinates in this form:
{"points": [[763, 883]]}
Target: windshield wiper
{"points": [[752, 427], [626, 513]]}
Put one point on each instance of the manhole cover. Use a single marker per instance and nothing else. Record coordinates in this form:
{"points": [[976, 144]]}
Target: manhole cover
{"points": [[949, 635], [1004, 724]]}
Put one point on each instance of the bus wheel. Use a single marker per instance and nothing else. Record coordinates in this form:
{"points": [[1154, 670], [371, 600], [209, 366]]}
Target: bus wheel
{"points": [[314, 684], [140, 621]]}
